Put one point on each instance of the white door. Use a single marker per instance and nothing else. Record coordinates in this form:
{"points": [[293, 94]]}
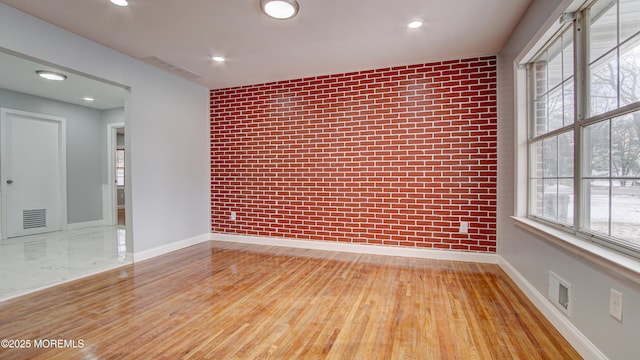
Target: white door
{"points": [[33, 173]]}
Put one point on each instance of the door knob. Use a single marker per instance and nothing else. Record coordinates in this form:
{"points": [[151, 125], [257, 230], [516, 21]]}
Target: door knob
{"points": [[9, 182]]}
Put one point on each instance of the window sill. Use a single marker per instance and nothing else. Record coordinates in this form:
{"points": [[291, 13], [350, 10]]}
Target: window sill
{"points": [[619, 264]]}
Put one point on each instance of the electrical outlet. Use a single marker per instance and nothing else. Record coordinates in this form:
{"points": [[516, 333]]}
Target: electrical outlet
{"points": [[615, 304], [464, 227], [233, 216]]}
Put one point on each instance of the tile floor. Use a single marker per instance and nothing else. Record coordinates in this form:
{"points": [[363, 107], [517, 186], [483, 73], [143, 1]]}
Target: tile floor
{"points": [[30, 263]]}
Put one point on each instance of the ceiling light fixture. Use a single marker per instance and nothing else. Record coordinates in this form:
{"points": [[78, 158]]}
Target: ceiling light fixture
{"points": [[51, 75], [218, 59], [88, 99], [415, 24], [120, 2], [280, 9]]}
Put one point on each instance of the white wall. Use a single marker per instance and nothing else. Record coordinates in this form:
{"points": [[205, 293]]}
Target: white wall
{"points": [[166, 124], [532, 256], [85, 160]]}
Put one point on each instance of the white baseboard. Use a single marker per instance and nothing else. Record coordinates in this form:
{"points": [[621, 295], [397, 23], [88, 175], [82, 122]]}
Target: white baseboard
{"points": [[580, 342], [167, 248], [359, 248], [85, 224]]}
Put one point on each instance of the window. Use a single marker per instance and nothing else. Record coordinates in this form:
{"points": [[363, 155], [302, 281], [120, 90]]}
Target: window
{"points": [[551, 145], [119, 167], [584, 126]]}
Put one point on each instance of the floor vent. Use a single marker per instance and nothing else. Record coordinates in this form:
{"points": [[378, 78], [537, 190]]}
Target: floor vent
{"points": [[32, 219]]}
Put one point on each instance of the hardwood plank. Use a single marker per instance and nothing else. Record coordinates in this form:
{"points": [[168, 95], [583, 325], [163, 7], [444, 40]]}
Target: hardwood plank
{"points": [[221, 300]]}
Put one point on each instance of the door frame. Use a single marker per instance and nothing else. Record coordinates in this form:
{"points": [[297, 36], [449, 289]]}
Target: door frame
{"points": [[62, 167], [112, 146]]}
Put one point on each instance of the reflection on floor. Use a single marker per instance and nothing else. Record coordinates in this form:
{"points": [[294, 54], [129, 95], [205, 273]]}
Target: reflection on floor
{"points": [[121, 217], [30, 263]]}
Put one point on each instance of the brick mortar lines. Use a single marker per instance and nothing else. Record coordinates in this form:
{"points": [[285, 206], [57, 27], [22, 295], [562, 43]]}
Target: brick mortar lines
{"points": [[397, 156]]}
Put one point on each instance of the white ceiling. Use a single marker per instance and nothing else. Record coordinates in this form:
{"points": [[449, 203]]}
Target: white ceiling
{"points": [[327, 36], [19, 74]]}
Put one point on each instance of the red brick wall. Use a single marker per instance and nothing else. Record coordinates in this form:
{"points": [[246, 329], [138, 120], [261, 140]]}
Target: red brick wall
{"points": [[395, 156]]}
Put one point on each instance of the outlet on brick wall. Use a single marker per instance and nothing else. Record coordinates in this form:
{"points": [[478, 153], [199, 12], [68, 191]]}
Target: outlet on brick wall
{"points": [[396, 156]]}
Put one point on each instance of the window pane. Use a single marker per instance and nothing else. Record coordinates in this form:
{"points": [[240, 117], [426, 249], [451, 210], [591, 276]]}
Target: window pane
{"points": [[550, 157], [612, 151], [554, 68], [630, 72], [596, 199], [567, 54], [568, 102], [603, 30], [625, 211], [119, 177], [540, 126], [536, 187], [565, 155], [556, 111], [536, 192], [625, 146], [553, 85], [629, 18], [540, 79], [540, 75], [550, 209], [120, 158], [625, 166], [604, 85], [536, 162], [557, 200], [565, 201], [596, 150]]}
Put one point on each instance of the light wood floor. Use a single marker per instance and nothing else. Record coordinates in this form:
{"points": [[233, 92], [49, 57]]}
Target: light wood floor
{"points": [[229, 301]]}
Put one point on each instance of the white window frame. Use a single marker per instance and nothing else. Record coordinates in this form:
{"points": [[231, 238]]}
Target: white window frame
{"points": [[621, 259]]}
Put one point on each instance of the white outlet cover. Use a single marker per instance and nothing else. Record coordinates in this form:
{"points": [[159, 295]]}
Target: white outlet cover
{"points": [[615, 304], [464, 227]]}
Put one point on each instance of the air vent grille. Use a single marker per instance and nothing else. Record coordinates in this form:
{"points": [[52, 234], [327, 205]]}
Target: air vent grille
{"points": [[32, 219], [560, 293], [164, 65]]}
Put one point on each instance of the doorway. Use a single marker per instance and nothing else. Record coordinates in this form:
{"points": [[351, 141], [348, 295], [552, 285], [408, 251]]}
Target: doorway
{"points": [[33, 168], [89, 239]]}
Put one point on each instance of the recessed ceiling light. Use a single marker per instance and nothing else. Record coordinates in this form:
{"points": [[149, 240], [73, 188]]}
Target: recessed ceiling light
{"points": [[120, 2], [51, 75], [415, 24], [88, 99], [218, 59], [280, 9]]}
